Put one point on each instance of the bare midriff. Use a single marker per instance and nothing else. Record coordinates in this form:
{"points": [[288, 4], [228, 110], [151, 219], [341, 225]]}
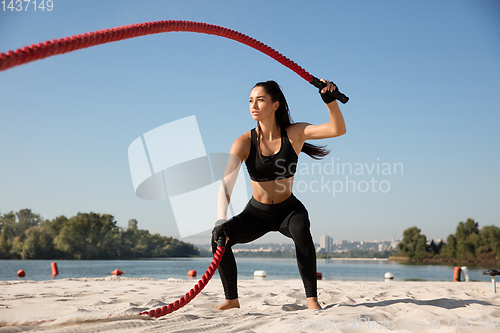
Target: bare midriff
{"points": [[272, 192]]}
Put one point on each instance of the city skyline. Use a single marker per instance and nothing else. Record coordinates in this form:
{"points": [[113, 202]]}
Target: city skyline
{"points": [[346, 246]]}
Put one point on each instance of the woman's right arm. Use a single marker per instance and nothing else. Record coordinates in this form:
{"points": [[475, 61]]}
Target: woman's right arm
{"points": [[237, 155]]}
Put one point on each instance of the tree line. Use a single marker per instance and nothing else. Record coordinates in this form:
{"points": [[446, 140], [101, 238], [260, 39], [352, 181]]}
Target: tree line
{"points": [[468, 243], [26, 235]]}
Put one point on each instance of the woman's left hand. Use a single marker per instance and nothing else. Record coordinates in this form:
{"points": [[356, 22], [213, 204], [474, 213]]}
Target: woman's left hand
{"points": [[329, 93], [330, 86]]}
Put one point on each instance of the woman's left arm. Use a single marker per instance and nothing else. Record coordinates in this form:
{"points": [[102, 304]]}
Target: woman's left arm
{"points": [[336, 126]]}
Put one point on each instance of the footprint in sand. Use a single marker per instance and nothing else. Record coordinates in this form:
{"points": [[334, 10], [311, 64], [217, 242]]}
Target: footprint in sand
{"points": [[293, 307], [135, 310], [154, 303], [112, 301]]}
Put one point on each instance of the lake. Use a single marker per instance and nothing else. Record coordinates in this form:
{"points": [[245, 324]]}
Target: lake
{"points": [[276, 269]]}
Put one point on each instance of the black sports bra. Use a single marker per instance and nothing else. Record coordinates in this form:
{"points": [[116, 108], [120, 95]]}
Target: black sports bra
{"points": [[281, 165]]}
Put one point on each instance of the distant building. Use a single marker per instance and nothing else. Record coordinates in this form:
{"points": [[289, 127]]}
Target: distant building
{"points": [[325, 243], [382, 247], [340, 242]]}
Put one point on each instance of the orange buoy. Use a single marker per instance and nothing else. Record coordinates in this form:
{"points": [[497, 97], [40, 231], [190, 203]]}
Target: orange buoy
{"points": [[55, 271], [319, 276], [21, 273], [192, 273], [456, 274], [117, 272]]}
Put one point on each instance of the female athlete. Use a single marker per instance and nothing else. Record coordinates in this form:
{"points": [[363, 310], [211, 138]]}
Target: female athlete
{"points": [[270, 152]]}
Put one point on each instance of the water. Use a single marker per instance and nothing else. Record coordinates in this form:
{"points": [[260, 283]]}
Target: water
{"points": [[277, 269]]}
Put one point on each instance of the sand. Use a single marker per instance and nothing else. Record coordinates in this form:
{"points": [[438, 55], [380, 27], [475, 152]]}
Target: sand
{"points": [[111, 304]]}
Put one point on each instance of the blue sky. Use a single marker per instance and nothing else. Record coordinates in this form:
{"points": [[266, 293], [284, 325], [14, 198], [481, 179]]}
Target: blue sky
{"points": [[423, 78]]}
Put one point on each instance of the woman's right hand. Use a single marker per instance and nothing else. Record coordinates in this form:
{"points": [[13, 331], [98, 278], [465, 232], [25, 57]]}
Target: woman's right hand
{"points": [[219, 230]]}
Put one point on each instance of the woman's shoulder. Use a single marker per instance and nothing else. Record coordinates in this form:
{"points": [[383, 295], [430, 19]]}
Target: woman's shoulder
{"points": [[241, 146], [244, 138], [295, 130]]}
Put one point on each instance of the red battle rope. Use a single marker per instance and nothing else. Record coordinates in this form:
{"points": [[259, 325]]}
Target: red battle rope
{"points": [[193, 292], [69, 44]]}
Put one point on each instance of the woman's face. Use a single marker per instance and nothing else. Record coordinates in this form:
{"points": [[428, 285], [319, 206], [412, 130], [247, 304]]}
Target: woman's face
{"points": [[261, 105]]}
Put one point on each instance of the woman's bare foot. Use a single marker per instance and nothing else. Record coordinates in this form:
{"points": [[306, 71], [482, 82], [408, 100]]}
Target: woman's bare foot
{"points": [[229, 304], [312, 303]]}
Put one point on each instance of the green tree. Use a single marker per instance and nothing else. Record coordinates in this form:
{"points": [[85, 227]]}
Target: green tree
{"points": [[17, 247], [471, 243], [128, 240], [85, 236], [435, 248], [450, 248], [13, 232], [414, 244], [467, 239], [7, 234], [89, 236], [489, 240], [132, 224], [27, 219], [58, 223], [467, 236], [39, 243]]}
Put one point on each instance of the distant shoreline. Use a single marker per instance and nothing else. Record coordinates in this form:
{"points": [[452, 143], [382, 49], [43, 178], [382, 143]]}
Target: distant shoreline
{"points": [[385, 259], [447, 261]]}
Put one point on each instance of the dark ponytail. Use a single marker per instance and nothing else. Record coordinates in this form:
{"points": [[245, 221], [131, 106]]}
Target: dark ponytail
{"points": [[284, 120]]}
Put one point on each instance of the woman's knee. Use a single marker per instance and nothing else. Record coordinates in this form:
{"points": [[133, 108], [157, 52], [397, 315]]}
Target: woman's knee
{"points": [[299, 223]]}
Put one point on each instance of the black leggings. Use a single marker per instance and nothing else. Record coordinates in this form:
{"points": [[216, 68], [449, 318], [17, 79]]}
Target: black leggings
{"points": [[290, 218]]}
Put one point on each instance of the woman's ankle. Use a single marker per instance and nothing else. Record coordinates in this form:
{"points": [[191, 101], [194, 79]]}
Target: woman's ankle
{"points": [[229, 304], [312, 303]]}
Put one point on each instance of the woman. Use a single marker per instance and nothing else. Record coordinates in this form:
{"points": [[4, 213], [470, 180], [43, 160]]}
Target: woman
{"points": [[270, 152]]}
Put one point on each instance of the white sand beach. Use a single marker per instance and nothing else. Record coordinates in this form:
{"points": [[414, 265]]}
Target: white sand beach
{"points": [[111, 304]]}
